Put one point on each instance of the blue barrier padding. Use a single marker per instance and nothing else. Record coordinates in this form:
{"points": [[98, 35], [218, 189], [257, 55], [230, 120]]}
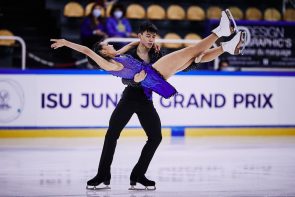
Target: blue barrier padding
{"points": [[177, 131]]}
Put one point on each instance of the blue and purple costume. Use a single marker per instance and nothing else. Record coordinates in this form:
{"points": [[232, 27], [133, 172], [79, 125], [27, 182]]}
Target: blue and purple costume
{"points": [[154, 80]]}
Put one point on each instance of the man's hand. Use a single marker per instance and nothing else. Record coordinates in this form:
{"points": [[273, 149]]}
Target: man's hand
{"points": [[139, 77]]}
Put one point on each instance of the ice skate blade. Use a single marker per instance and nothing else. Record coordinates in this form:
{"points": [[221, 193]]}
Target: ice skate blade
{"points": [[233, 25], [102, 187], [242, 44], [146, 188]]}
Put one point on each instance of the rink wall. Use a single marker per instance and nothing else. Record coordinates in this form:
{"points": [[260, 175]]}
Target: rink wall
{"points": [[68, 103]]}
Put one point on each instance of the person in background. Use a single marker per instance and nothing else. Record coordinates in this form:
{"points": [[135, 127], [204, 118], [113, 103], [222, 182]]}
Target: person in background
{"points": [[119, 26], [93, 26], [223, 65], [107, 3]]}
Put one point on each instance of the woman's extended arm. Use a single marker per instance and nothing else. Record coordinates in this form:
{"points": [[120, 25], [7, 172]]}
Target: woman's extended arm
{"points": [[104, 64], [127, 47]]}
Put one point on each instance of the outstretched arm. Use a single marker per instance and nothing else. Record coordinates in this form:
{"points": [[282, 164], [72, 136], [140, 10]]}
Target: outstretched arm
{"points": [[104, 64]]}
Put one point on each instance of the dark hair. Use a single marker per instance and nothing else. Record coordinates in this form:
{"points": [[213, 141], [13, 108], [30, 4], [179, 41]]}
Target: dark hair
{"points": [[97, 47], [118, 6], [100, 18], [93, 7], [148, 26]]}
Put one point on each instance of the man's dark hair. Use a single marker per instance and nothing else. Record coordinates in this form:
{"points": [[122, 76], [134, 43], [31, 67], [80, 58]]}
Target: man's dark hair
{"points": [[148, 26]]}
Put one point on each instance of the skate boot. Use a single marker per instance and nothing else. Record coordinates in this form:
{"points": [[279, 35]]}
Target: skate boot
{"points": [[148, 184], [236, 45], [98, 183], [227, 25]]}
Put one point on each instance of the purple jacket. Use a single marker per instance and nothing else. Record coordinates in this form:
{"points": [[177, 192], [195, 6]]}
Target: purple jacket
{"points": [[114, 30], [87, 30]]}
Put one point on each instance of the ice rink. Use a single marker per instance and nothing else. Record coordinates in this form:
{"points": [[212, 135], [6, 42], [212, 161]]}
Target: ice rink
{"points": [[204, 166]]}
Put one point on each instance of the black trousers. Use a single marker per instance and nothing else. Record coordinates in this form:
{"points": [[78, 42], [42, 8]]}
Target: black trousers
{"points": [[150, 121]]}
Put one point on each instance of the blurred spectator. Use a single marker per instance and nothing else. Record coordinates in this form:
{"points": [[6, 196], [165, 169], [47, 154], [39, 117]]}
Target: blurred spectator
{"points": [[118, 25], [224, 66], [101, 2], [93, 26], [106, 3]]}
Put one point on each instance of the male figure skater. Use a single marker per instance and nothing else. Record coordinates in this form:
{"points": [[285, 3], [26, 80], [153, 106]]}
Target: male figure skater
{"points": [[134, 100]]}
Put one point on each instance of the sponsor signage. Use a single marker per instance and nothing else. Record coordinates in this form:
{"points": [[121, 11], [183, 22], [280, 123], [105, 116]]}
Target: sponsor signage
{"points": [[203, 100]]}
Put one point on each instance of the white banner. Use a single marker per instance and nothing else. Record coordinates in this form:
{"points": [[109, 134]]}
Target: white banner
{"points": [[81, 100]]}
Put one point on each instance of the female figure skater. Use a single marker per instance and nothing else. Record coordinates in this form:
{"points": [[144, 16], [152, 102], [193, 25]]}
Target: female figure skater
{"points": [[125, 66]]}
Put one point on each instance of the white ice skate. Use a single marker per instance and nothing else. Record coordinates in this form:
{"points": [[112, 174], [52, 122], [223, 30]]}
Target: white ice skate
{"points": [[236, 45], [227, 25]]}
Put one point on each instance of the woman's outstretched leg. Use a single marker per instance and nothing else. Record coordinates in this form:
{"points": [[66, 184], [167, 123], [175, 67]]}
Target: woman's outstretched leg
{"points": [[209, 55], [206, 56], [171, 63]]}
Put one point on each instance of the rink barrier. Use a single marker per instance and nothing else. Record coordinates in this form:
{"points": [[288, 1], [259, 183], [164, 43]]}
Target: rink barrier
{"points": [[72, 133], [138, 132], [168, 129], [23, 47], [199, 132]]}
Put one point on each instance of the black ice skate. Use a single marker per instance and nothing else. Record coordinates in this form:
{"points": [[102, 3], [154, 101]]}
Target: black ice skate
{"points": [[147, 184], [97, 183]]}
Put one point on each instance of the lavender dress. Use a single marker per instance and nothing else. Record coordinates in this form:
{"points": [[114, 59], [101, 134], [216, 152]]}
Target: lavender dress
{"points": [[154, 80]]}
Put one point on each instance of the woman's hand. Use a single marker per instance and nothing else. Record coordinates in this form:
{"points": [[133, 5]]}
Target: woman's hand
{"points": [[57, 43], [157, 47], [139, 77]]}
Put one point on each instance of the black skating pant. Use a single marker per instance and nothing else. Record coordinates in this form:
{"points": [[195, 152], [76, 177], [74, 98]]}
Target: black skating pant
{"points": [[151, 124]]}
